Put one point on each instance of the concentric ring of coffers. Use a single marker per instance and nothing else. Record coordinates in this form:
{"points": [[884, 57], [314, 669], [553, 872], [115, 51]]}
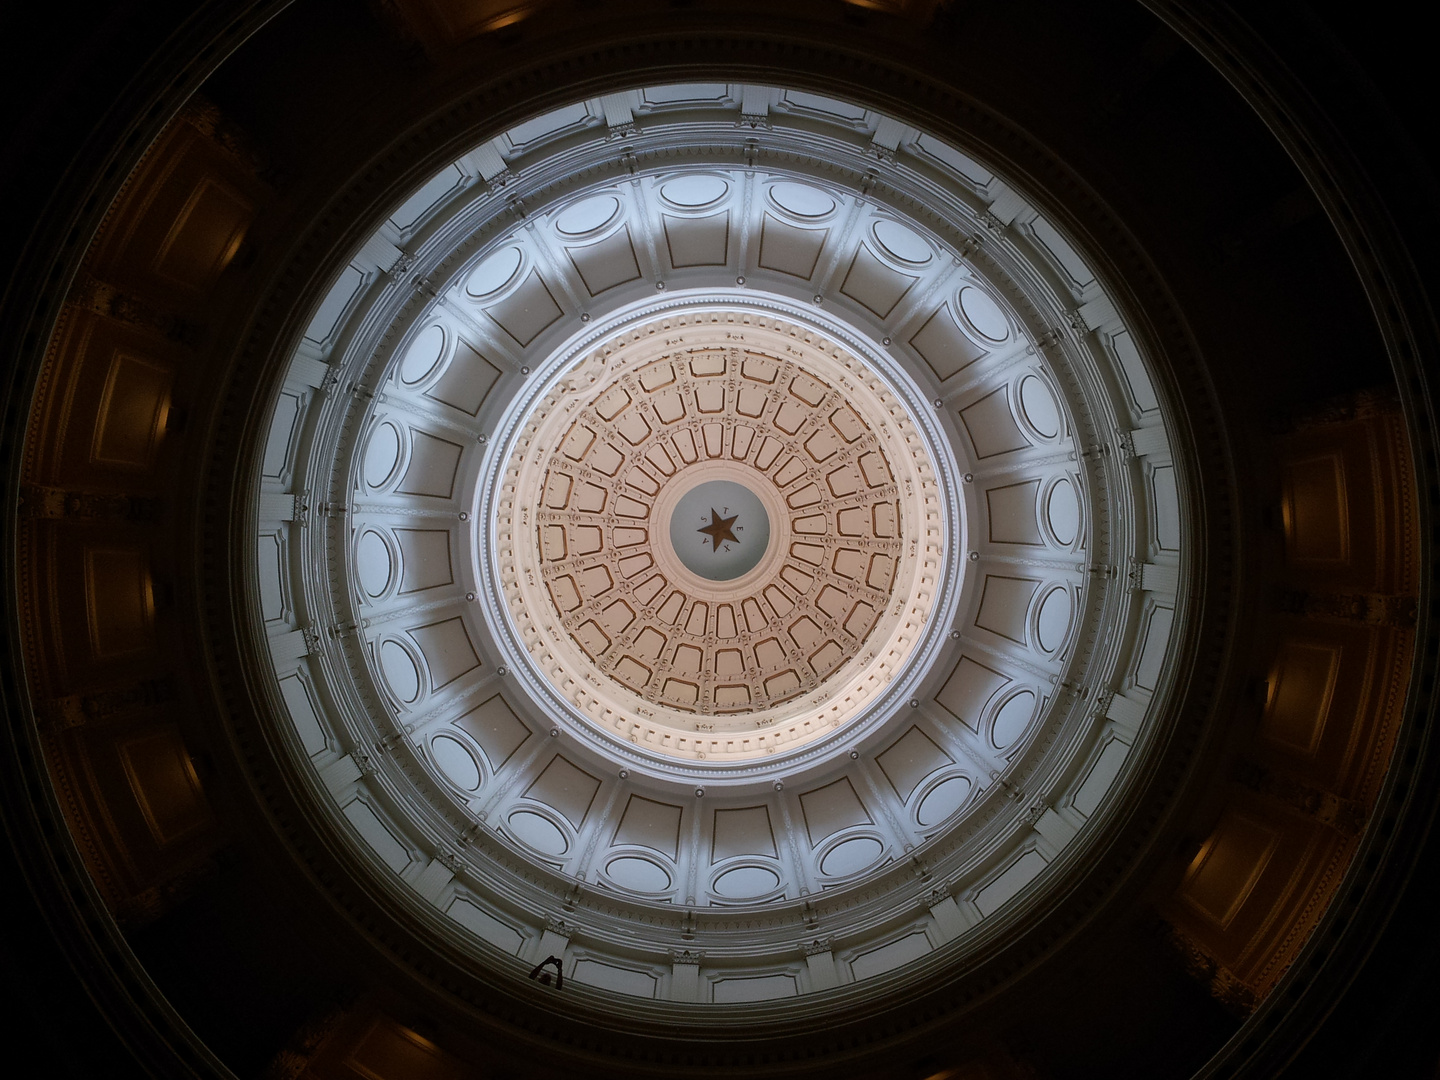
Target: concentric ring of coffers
{"points": [[1009, 736], [652, 651]]}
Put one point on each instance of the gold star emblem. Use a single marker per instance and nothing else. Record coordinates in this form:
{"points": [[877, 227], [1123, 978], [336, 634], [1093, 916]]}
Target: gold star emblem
{"points": [[719, 530]]}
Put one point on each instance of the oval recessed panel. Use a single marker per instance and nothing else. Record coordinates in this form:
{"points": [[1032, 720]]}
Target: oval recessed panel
{"points": [[1013, 719], [494, 273], [983, 314], [693, 191], [588, 216], [538, 832], [641, 875], [1054, 619], [943, 800], [802, 200], [746, 881], [456, 762], [1039, 406], [373, 565], [423, 355], [1062, 511], [382, 456], [400, 671], [902, 243], [851, 856]]}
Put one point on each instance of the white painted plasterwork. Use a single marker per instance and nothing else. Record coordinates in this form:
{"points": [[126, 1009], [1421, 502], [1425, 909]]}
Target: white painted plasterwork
{"points": [[480, 759]]}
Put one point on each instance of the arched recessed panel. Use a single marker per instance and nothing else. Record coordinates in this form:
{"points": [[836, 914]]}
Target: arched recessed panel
{"points": [[424, 353], [744, 882], [1012, 719], [538, 832], [941, 801], [983, 314], [492, 275], [693, 192], [851, 856], [1038, 405], [902, 243], [588, 216], [802, 200], [401, 671], [1062, 512], [1054, 619], [640, 875], [456, 762], [382, 455], [374, 565]]}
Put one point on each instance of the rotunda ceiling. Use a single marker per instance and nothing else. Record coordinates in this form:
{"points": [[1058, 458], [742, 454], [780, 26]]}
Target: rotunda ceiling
{"points": [[646, 537]]}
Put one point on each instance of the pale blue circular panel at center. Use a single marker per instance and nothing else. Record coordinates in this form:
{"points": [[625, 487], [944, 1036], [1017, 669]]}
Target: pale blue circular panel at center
{"points": [[720, 530]]}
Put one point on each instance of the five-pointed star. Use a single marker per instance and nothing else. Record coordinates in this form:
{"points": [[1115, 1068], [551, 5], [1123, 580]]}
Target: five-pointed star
{"points": [[719, 530]]}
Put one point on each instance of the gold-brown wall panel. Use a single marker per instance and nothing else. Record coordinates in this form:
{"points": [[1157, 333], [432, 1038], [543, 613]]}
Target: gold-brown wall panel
{"points": [[104, 405], [180, 222], [1263, 865]]}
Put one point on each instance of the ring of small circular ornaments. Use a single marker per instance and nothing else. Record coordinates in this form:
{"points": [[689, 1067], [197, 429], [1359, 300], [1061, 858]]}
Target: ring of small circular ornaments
{"points": [[611, 364]]}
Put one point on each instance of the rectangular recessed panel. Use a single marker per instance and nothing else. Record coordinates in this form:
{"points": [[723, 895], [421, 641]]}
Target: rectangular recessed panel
{"points": [[118, 601], [910, 759], [527, 311], [873, 284], [991, 425], [447, 649], [1317, 522], [944, 346], [969, 687], [788, 249], [651, 824], [1014, 517], [1101, 775], [284, 429], [698, 241], [377, 835], [165, 785], [485, 926], [1228, 867], [467, 380], [1300, 696], [1167, 508], [1152, 649], [1004, 604], [303, 714], [328, 318], [270, 573], [565, 787], [205, 236], [496, 728], [759, 988], [1014, 878], [432, 466], [424, 558], [743, 831], [890, 956], [610, 977], [434, 192], [831, 808], [133, 408], [606, 263], [1132, 368]]}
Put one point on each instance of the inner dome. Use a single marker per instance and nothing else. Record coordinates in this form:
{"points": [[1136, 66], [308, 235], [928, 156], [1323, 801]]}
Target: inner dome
{"points": [[792, 632]]}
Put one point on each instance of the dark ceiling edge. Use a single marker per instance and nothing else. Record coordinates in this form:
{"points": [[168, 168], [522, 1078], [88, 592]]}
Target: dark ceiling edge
{"points": [[1400, 837], [127, 1006]]}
